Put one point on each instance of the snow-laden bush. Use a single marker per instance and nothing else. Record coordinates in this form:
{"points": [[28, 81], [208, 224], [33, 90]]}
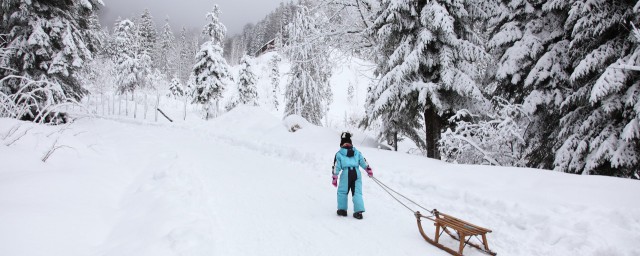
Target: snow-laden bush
{"points": [[36, 101], [495, 139]]}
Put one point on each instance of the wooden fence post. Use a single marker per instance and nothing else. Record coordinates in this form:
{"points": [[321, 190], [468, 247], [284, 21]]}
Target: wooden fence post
{"points": [[102, 102], [156, 108], [135, 108], [113, 104], [126, 106], [146, 105], [120, 104], [185, 108]]}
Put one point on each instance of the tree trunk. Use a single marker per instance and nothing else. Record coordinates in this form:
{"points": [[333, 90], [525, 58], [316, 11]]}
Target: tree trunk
{"points": [[433, 125], [395, 141]]}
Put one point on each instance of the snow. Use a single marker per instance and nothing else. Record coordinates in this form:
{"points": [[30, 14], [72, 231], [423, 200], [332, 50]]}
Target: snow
{"points": [[243, 184]]}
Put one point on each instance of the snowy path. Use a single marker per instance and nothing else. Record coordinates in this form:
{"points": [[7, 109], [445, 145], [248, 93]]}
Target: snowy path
{"points": [[243, 185], [259, 203]]}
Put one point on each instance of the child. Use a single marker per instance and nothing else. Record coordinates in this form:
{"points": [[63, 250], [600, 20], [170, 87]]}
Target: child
{"points": [[345, 165]]}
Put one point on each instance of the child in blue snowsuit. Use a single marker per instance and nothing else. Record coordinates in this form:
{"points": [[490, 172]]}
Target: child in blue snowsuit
{"points": [[345, 165]]}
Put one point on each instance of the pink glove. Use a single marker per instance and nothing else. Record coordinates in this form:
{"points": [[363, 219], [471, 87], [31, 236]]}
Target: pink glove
{"points": [[369, 171], [334, 182]]}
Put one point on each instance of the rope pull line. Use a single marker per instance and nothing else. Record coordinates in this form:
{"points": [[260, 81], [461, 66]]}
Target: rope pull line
{"points": [[389, 190]]}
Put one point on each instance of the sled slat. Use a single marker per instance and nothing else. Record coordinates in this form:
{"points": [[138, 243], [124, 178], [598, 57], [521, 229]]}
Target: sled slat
{"points": [[467, 223]]}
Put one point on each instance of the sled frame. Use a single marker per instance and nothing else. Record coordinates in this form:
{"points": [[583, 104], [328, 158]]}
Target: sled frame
{"points": [[464, 231]]}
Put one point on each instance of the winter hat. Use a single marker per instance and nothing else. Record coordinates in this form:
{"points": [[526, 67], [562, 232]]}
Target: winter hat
{"points": [[345, 138]]}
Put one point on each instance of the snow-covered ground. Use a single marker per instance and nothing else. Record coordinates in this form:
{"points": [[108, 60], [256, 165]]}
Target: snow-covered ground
{"points": [[242, 184]]}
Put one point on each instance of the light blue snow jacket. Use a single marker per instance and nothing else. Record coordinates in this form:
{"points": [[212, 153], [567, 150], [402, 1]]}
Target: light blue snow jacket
{"points": [[343, 162]]}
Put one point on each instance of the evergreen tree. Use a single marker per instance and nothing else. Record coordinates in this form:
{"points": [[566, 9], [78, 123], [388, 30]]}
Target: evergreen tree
{"points": [[275, 78], [428, 56], [185, 61], [211, 70], [175, 88], [47, 40], [166, 50], [146, 32], [600, 131], [126, 57], [259, 38], [247, 91], [529, 42], [95, 36], [308, 92]]}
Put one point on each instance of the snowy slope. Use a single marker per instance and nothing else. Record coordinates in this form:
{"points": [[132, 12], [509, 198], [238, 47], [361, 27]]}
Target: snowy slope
{"points": [[242, 184]]}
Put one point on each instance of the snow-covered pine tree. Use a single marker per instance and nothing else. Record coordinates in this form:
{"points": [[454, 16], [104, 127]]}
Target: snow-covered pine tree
{"points": [[47, 40], [185, 62], [429, 59], [175, 88], [259, 40], [528, 41], [308, 91], [274, 74], [247, 91], [167, 50], [147, 33], [128, 62], [96, 37], [211, 71], [600, 129]]}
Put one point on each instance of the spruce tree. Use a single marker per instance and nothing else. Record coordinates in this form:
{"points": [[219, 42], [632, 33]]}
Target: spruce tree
{"points": [[274, 74], [211, 71], [175, 88], [600, 133], [166, 50], [530, 46], [185, 62], [428, 55], [48, 40], [147, 33], [247, 91], [308, 91], [133, 67]]}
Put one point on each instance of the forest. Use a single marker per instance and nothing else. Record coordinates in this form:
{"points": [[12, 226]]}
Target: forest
{"points": [[547, 84]]}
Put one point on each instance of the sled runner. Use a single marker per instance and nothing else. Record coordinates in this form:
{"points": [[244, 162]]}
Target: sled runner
{"points": [[464, 231]]}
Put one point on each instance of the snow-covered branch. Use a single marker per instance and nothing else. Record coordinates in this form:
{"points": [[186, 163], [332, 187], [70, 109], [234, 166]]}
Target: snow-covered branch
{"points": [[631, 65], [35, 100], [16, 138], [52, 150], [496, 139], [627, 67]]}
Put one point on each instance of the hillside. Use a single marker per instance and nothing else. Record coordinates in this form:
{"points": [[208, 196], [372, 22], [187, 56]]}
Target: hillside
{"points": [[243, 184]]}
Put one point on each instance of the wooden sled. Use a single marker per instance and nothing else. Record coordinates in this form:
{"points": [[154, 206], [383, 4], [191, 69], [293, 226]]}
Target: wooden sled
{"points": [[464, 230]]}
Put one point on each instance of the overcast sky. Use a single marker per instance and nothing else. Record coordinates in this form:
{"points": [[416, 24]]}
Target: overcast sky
{"points": [[189, 13]]}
